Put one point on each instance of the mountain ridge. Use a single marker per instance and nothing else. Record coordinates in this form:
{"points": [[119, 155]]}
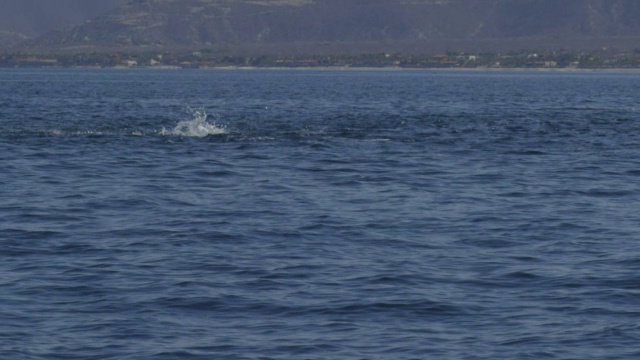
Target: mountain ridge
{"points": [[371, 25]]}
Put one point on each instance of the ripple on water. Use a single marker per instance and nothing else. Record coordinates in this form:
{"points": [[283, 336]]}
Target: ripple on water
{"points": [[318, 215]]}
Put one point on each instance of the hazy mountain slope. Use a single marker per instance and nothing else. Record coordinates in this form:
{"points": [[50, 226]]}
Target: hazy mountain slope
{"points": [[36, 17], [572, 18], [9, 39], [194, 23]]}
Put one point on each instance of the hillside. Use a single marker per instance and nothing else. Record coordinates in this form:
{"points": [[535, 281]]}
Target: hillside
{"points": [[9, 39], [37, 17], [355, 25]]}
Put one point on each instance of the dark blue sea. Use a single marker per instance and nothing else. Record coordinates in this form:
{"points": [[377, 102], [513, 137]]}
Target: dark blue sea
{"points": [[178, 214]]}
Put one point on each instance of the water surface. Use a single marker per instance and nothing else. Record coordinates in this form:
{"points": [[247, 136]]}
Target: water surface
{"points": [[319, 215]]}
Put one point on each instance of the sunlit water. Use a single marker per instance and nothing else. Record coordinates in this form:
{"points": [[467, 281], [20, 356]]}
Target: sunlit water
{"points": [[319, 215]]}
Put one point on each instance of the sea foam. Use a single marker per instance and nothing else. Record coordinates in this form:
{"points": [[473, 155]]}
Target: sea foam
{"points": [[196, 127]]}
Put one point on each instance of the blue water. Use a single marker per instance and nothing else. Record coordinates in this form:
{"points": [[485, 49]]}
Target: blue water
{"points": [[319, 215]]}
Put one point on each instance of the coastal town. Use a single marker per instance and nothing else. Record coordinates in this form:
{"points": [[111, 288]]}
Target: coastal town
{"points": [[206, 58]]}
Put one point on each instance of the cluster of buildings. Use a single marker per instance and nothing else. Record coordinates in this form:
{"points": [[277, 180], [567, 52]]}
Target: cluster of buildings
{"points": [[604, 58]]}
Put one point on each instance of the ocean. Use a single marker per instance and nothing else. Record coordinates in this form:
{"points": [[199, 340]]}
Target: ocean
{"points": [[300, 214]]}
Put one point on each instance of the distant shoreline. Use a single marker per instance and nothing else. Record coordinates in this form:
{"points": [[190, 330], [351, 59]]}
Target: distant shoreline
{"points": [[438, 69], [342, 68], [525, 60]]}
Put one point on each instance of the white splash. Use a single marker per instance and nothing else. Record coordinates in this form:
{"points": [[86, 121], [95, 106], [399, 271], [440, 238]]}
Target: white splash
{"points": [[196, 127]]}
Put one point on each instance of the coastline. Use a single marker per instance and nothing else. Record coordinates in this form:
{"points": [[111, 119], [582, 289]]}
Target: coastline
{"points": [[434, 69], [346, 69]]}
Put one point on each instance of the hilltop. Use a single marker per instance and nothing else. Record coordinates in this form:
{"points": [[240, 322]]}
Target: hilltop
{"points": [[354, 26]]}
